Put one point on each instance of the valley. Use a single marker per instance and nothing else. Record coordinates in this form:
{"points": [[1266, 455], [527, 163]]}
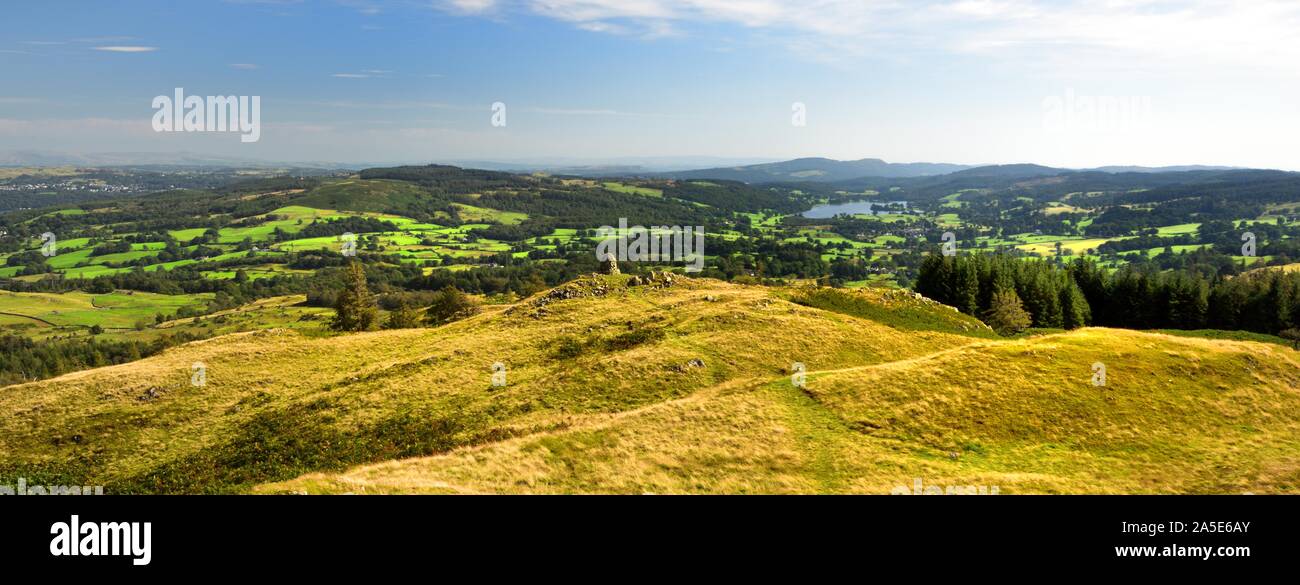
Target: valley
{"points": [[800, 360]]}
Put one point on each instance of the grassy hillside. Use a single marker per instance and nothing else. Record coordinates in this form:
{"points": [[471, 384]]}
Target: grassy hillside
{"points": [[667, 389]]}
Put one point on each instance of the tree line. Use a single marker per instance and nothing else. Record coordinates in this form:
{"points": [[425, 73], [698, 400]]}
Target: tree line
{"points": [[1084, 293]]}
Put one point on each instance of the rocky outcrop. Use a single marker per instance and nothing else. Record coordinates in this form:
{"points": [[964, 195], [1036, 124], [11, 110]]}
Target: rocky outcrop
{"points": [[609, 265]]}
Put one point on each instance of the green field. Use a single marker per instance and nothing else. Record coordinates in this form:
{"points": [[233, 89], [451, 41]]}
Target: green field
{"points": [[118, 310]]}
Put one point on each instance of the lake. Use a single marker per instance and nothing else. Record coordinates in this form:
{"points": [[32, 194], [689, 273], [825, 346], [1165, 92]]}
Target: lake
{"points": [[853, 207]]}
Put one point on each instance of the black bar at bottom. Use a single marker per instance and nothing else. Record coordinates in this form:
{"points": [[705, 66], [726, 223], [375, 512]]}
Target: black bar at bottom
{"points": [[225, 535]]}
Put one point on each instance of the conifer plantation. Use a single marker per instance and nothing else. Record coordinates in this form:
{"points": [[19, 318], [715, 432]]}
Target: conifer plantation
{"points": [[1082, 293]]}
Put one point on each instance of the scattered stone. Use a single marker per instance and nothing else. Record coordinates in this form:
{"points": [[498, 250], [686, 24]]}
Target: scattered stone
{"points": [[688, 366], [150, 394], [609, 265], [711, 298]]}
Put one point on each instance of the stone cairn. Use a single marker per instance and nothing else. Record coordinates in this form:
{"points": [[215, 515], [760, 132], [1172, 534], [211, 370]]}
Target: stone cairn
{"points": [[609, 265]]}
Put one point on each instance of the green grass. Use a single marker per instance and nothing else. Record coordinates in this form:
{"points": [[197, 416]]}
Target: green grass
{"points": [[633, 189], [472, 213], [896, 308], [1179, 230], [113, 310], [378, 196], [687, 389]]}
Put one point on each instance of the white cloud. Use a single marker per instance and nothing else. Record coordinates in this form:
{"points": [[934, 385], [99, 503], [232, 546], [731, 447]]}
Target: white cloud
{"points": [[364, 74], [470, 6], [126, 49], [1259, 33]]}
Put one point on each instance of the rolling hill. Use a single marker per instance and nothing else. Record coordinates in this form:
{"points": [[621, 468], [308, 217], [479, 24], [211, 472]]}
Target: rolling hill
{"points": [[615, 386], [817, 170]]}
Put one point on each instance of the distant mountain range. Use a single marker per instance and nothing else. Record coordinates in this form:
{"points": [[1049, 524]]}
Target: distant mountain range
{"points": [[825, 170], [34, 158], [818, 170], [751, 170]]}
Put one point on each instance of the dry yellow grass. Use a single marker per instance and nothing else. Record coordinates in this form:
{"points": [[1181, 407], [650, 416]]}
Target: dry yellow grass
{"points": [[686, 389], [277, 404], [1023, 416]]}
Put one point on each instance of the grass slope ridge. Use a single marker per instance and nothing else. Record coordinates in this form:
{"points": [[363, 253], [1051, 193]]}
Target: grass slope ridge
{"points": [[1176, 416], [618, 388], [277, 404]]}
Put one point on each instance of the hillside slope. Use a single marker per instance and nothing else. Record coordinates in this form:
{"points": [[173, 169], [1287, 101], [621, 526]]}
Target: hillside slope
{"points": [[1021, 416], [681, 388], [277, 404]]}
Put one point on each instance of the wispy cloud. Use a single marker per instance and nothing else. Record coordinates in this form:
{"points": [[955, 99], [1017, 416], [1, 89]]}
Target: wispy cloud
{"points": [[365, 7], [587, 112], [1258, 33], [381, 105], [126, 49], [364, 74], [469, 6]]}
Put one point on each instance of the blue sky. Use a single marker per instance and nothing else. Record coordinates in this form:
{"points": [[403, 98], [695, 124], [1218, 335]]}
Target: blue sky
{"points": [[969, 81]]}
